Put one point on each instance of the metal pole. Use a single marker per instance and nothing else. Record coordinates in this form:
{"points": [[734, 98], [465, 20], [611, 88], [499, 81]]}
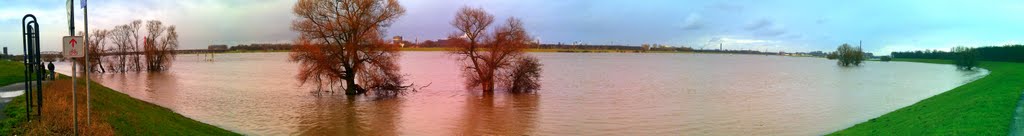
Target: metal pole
{"points": [[74, 94], [24, 60], [71, 17], [39, 72], [88, 103], [74, 67]]}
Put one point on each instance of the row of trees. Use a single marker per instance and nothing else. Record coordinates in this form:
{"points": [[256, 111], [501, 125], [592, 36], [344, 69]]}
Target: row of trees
{"points": [[967, 58], [1012, 53], [341, 42], [122, 49]]}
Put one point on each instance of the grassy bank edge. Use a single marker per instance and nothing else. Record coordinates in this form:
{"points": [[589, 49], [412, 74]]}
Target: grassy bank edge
{"points": [[982, 107], [127, 115]]}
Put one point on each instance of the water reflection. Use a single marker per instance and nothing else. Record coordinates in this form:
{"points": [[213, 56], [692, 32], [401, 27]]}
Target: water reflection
{"points": [[349, 115], [160, 87], [510, 114]]}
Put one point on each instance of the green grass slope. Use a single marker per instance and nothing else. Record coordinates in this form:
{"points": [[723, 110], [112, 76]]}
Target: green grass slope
{"points": [[982, 107]]}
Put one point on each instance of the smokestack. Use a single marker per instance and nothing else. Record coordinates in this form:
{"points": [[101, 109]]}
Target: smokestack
{"points": [[719, 46]]}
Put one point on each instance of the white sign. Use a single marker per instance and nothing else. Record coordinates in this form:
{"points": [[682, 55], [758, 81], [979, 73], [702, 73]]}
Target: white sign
{"points": [[74, 47]]}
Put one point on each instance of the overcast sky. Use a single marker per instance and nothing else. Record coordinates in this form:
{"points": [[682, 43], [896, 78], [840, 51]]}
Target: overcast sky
{"points": [[766, 25]]}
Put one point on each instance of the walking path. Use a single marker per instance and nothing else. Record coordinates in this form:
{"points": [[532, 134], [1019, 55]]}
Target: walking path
{"points": [[7, 93], [1017, 125]]}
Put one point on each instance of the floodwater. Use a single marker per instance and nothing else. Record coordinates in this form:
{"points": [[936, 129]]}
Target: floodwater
{"points": [[582, 94]]}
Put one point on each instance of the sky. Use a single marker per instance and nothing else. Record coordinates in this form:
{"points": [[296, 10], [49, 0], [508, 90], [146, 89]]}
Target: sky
{"points": [[882, 26]]}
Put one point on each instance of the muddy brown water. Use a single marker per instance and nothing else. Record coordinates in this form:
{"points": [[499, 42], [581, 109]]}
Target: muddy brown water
{"points": [[582, 94]]}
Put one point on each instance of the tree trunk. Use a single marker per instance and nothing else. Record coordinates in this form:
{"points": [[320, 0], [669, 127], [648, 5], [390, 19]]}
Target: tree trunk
{"points": [[351, 88], [488, 84]]}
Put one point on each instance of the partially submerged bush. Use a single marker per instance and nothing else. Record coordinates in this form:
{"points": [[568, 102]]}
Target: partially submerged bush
{"points": [[966, 58], [849, 56], [524, 77]]}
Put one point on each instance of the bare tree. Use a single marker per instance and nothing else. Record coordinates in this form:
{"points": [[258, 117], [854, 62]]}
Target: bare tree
{"points": [[159, 51], [96, 48], [485, 57], [121, 37], [136, 63], [157, 47], [341, 41], [166, 49]]}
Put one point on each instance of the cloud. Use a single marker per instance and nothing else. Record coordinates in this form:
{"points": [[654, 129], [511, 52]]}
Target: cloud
{"points": [[821, 21], [765, 28], [771, 32], [737, 41], [692, 22], [715, 39], [759, 24], [726, 7]]}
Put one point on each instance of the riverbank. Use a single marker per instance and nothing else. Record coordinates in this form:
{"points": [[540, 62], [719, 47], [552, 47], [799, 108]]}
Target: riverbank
{"points": [[113, 113], [982, 107], [11, 72]]}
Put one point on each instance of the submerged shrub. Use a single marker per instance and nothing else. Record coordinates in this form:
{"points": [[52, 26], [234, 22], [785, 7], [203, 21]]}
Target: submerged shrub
{"points": [[966, 58]]}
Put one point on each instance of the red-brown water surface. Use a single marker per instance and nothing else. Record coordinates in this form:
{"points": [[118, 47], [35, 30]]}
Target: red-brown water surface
{"points": [[582, 94]]}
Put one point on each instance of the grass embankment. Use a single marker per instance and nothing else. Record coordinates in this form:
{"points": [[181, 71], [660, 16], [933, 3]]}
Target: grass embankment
{"points": [[112, 113], [11, 72], [982, 107]]}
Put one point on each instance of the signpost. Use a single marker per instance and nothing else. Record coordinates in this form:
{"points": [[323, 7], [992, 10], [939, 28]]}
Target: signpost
{"points": [[74, 47]]}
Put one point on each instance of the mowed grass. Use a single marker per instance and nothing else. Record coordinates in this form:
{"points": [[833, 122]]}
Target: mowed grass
{"points": [[111, 110], [130, 116], [11, 72], [982, 107]]}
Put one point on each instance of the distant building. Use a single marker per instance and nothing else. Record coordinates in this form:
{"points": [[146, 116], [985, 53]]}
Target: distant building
{"points": [[217, 47], [397, 40], [869, 55]]}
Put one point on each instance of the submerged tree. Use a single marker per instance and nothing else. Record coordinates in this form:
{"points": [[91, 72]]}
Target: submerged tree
{"points": [[848, 55], [158, 48], [496, 58], [966, 57], [341, 41], [96, 50], [523, 75]]}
